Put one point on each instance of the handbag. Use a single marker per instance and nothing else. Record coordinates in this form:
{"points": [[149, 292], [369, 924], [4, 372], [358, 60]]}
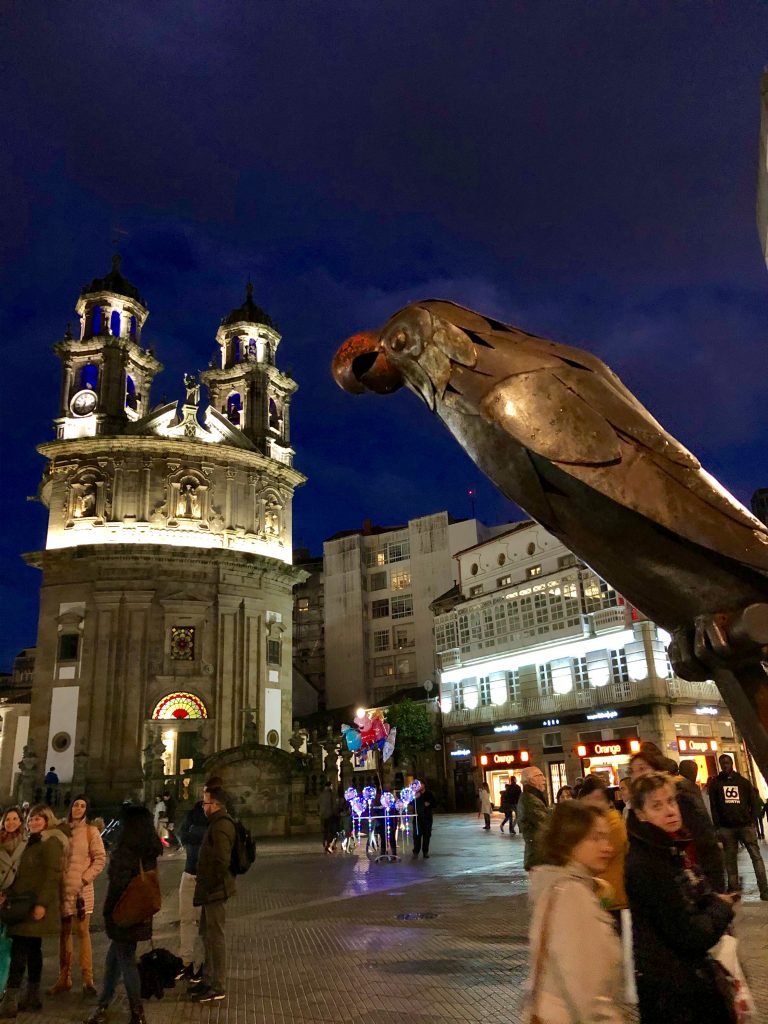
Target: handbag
{"points": [[730, 981], [17, 907], [140, 900], [538, 967]]}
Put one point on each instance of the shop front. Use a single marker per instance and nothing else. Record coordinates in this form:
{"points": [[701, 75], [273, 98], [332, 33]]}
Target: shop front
{"points": [[608, 758], [499, 766], [703, 751]]}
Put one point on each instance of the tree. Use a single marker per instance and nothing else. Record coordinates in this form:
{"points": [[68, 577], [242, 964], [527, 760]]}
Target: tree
{"points": [[415, 733]]}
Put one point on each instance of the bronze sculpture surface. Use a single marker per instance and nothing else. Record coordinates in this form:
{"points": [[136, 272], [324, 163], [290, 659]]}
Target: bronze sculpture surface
{"points": [[559, 434]]}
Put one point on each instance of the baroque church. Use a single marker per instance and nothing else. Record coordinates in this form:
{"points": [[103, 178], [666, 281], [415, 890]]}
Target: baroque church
{"points": [[166, 596]]}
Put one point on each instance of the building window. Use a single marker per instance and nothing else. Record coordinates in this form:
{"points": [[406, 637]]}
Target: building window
{"points": [[69, 645], [400, 580], [619, 666], [402, 607], [179, 705], [273, 652], [567, 561], [378, 581], [545, 680], [398, 551], [485, 691], [380, 640], [532, 571], [302, 605], [477, 589], [552, 739], [380, 609], [383, 667], [403, 638], [182, 643], [504, 581], [403, 666]]}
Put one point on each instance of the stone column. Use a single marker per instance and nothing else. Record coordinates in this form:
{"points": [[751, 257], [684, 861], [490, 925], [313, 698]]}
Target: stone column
{"points": [[144, 499]]}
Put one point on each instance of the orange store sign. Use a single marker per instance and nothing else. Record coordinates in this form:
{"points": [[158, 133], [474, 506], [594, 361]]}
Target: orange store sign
{"points": [[609, 748], [696, 745], [503, 758]]}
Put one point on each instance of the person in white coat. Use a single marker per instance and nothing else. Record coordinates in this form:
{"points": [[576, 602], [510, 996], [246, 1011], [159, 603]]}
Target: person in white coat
{"points": [[571, 984], [484, 805]]}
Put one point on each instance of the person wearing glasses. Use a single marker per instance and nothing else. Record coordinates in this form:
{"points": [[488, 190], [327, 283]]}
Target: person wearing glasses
{"points": [[532, 814], [215, 884]]}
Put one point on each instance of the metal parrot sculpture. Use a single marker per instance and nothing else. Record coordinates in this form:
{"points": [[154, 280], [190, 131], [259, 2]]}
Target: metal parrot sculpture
{"points": [[560, 435]]}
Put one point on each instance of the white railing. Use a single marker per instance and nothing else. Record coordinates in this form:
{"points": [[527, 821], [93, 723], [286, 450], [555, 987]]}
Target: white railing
{"points": [[608, 619], [528, 707], [687, 689]]}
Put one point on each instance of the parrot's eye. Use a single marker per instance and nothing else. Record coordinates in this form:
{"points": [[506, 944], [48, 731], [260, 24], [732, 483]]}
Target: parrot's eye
{"points": [[398, 341]]}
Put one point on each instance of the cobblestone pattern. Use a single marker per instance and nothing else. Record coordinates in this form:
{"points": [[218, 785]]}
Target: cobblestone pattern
{"points": [[315, 939]]}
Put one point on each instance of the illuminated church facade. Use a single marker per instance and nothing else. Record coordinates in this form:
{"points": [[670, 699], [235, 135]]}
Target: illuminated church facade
{"points": [[166, 596]]}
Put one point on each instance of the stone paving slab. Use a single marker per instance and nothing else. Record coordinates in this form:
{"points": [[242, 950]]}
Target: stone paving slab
{"points": [[315, 938]]}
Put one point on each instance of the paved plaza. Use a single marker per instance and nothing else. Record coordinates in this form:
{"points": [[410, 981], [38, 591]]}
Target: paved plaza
{"points": [[336, 938]]}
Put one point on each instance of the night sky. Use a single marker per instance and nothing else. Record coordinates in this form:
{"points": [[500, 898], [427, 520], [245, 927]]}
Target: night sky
{"points": [[583, 170]]}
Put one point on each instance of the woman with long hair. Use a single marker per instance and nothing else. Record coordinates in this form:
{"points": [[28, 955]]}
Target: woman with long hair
{"points": [[568, 987], [84, 860], [676, 917], [595, 792], [12, 844], [33, 909], [138, 847]]}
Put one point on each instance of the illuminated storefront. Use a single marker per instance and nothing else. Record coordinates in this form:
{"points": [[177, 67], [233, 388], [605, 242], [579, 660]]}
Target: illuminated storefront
{"points": [[609, 758], [499, 766], [703, 751]]}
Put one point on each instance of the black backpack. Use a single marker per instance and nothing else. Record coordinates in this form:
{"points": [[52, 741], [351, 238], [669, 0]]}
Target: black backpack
{"points": [[243, 849]]}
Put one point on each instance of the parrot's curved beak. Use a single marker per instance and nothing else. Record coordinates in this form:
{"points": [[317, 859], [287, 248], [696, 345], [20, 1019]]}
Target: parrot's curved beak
{"points": [[361, 365]]}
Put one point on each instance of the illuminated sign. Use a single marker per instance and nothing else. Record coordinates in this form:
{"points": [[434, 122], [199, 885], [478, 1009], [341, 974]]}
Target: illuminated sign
{"points": [[706, 711], [602, 714], [551, 721], [506, 728], [461, 753], [609, 748], [503, 758], [695, 745]]}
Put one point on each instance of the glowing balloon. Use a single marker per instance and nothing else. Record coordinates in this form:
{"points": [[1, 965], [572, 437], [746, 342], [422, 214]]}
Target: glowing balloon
{"points": [[387, 800], [354, 742], [350, 794], [399, 805], [369, 793]]}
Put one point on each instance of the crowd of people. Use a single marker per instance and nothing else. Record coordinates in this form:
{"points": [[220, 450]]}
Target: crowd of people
{"points": [[652, 880], [48, 866], [336, 821]]}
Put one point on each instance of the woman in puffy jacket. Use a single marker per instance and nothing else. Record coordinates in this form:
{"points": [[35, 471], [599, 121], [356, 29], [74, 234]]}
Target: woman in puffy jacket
{"points": [[84, 860], [676, 917], [569, 985], [35, 892], [12, 843], [137, 847]]}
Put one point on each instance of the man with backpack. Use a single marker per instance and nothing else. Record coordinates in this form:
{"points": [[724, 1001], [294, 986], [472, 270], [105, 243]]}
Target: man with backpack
{"points": [[214, 885]]}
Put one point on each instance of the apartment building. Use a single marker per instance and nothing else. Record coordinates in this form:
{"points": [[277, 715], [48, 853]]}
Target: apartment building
{"points": [[541, 661]]}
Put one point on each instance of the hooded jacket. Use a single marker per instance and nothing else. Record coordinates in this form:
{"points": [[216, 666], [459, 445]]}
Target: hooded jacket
{"points": [[39, 873], [733, 801], [84, 860], [532, 814], [573, 988], [676, 919]]}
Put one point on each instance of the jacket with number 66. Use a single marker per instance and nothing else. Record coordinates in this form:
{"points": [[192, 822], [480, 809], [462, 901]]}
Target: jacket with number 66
{"points": [[215, 882]]}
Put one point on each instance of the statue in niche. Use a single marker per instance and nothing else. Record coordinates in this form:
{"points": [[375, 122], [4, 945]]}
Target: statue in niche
{"points": [[188, 505], [250, 730], [252, 351], [272, 510], [192, 389], [84, 504]]}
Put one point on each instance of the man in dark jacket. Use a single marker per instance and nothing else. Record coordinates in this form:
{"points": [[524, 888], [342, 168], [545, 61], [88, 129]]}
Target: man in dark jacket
{"points": [[734, 804], [532, 815], [510, 798], [214, 885], [191, 834], [698, 823], [423, 806]]}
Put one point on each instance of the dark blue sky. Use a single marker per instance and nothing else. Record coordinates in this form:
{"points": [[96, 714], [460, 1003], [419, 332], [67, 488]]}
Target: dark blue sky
{"points": [[584, 170]]}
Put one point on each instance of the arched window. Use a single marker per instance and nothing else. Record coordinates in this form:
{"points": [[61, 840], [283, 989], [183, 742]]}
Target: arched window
{"points": [[96, 320], [130, 393], [89, 377], [234, 407], [114, 324], [274, 415], [179, 705], [132, 329], [235, 350]]}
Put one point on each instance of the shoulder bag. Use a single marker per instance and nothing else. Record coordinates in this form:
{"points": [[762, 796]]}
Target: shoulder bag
{"points": [[140, 900]]}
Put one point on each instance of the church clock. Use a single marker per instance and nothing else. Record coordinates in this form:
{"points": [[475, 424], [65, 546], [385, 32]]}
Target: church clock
{"points": [[83, 403]]}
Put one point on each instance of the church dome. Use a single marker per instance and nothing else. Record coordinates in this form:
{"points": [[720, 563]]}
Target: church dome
{"points": [[114, 282], [248, 313]]}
